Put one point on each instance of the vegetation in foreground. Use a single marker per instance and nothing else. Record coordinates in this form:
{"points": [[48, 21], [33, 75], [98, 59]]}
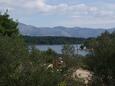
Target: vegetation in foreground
{"points": [[20, 66]]}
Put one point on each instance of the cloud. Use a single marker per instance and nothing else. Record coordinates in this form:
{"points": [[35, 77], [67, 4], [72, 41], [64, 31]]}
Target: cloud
{"points": [[80, 13], [42, 6], [62, 8], [75, 9]]}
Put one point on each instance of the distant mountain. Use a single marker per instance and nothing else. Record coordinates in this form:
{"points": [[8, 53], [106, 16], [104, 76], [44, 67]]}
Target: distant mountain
{"points": [[60, 31]]}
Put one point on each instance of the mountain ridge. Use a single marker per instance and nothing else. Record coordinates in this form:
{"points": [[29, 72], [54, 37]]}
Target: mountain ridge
{"points": [[30, 30]]}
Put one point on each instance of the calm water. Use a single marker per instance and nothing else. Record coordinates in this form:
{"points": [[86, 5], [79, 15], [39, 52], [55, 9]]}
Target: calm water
{"points": [[58, 49]]}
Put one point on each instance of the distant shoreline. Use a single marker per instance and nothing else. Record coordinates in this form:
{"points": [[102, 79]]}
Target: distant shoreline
{"points": [[53, 40]]}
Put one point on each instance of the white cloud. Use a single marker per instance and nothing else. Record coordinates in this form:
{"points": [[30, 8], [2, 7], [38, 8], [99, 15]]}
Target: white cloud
{"points": [[62, 8], [79, 13], [76, 9]]}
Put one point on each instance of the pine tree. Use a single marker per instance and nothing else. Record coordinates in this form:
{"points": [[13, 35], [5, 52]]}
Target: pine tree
{"points": [[7, 25]]}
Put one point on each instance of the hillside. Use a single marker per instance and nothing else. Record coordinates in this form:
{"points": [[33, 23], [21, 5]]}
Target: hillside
{"points": [[60, 31]]}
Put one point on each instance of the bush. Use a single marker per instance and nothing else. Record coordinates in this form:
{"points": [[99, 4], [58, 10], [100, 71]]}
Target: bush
{"points": [[12, 53], [103, 60]]}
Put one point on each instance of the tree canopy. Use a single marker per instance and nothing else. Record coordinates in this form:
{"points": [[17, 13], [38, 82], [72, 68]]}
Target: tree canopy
{"points": [[7, 25], [103, 60]]}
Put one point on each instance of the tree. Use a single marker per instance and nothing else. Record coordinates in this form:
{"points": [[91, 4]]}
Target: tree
{"points": [[82, 46], [103, 61], [68, 50], [7, 25], [50, 52], [12, 54]]}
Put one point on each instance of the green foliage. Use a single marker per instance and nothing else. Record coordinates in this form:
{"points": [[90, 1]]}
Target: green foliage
{"points": [[7, 25], [89, 43], [51, 52], [12, 54], [62, 84], [23, 66], [18, 67], [103, 60]]}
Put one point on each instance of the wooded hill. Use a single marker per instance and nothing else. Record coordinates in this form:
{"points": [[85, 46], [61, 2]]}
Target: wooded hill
{"points": [[52, 40]]}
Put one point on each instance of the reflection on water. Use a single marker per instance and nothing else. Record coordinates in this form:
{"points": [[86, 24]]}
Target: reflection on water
{"points": [[58, 49]]}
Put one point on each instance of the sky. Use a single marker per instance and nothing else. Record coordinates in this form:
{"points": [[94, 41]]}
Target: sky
{"points": [[69, 13]]}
